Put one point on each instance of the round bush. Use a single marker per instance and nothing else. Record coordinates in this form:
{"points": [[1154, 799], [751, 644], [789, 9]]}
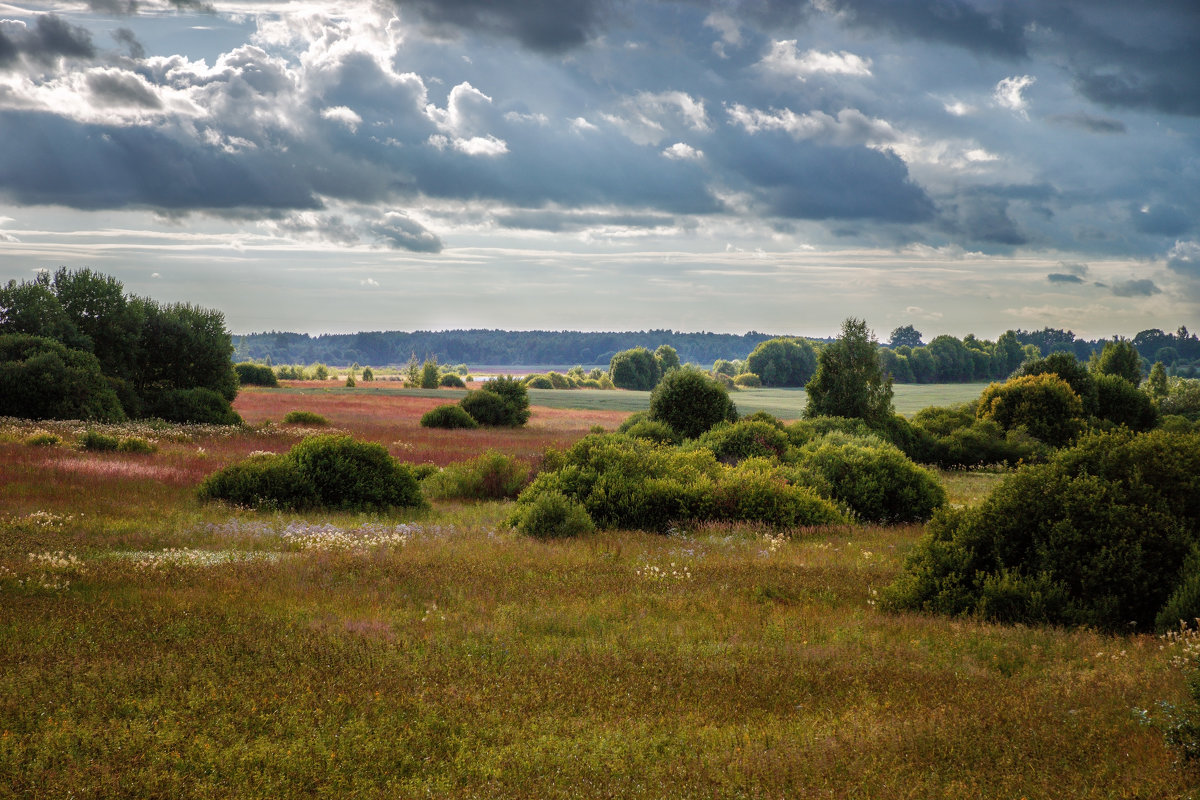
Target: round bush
{"points": [[487, 408], [1044, 404], [653, 430], [198, 405], [551, 515], [99, 442], [449, 380], [691, 402], [448, 416], [250, 374], [874, 479], [1096, 536], [136, 445], [515, 396], [755, 495], [272, 482], [733, 442], [539, 382], [491, 476], [305, 418], [349, 474], [1122, 403], [747, 380], [43, 440]]}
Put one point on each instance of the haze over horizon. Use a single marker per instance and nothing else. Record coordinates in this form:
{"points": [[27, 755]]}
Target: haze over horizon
{"points": [[700, 165]]}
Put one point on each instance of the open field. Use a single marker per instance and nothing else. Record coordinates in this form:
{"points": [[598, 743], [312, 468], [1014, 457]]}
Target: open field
{"points": [[179, 650], [783, 403]]}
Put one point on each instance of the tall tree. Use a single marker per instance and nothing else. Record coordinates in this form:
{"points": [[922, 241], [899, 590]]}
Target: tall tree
{"points": [[1119, 357], [783, 362], [849, 381], [906, 335]]}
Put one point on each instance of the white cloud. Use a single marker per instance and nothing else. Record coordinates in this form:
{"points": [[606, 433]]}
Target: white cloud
{"points": [[369, 282], [785, 60], [850, 126], [729, 30], [1008, 94], [648, 117], [579, 124], [681, 151], [958, 108], [344, 115], [482, 146]]}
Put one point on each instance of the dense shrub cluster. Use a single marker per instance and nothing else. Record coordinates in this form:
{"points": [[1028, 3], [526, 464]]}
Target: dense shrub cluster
{"points": [[1096, 536], [250, 374], [198, 404], [501, 402], [43, 379], [623, 482], [691, 402], [1044, 404], [491, 476], [746, 438], [305, 418], [327, 471]]}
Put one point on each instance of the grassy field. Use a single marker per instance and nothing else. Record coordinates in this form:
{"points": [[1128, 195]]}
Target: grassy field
{"points": [[783, 403], [154, 647]]}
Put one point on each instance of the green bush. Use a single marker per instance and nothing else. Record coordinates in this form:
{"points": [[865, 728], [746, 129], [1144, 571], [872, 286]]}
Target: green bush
{"points": [[41, 378], [43, 440], [691, 402], [551, 515], [136, 445], [1183, 606], [1182, 399], [737, 441], [652, 430], [1095, 536], [199, 405], [96, 441], [265, 481], [250, 374], [1122, 403], [491, 476], [635, 369], [305, 418], [1044, 404], [538, 382], [1071, 370], [779, 362], [449, 380], [873, 478], [349, 474], [803, 431], [501, 402], [754, 493], [448, 416], [747, 380]]}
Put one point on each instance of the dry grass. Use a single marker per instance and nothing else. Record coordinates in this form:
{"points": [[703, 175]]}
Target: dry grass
{"points": [[154, 647]]}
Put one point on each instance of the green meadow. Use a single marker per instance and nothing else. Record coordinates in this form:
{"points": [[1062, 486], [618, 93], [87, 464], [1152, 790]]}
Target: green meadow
{"points": [[155, 647]]}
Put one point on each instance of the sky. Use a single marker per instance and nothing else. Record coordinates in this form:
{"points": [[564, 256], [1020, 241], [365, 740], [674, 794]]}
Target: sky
{"points": [[699, 165]]}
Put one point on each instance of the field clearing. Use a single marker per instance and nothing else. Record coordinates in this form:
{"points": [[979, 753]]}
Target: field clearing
{"points": [[784, 403], [177, 650]]}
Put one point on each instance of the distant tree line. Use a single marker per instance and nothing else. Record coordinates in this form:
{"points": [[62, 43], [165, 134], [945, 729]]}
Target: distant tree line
{"points": [[75, 346]]}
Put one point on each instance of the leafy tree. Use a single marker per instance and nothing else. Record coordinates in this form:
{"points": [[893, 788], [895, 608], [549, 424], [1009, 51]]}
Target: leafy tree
{"points": [[1120, 358], [848, 381], [183, 347], [107, 323], [31, 307], [1007, 355], [906, 335], [43, 379], [430, 376], [412, 372], [691, 402], [783, 362], [1156, 384], [723, 366], [502, 401], [634, 369], [923, 365], [1122, 403], [667, 358], [1070, 369], [954, 362], [367, 375]]}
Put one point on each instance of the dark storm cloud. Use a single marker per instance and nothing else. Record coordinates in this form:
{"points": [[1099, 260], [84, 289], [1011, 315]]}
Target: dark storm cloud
{"points": [[129, 39], [58, 161], [570, 222], [1088, 122], [1143, 287], [1163, 220], [122, 8], [398, 231], [1063, 277], [50, 38], [550, 26], [956, 22]]}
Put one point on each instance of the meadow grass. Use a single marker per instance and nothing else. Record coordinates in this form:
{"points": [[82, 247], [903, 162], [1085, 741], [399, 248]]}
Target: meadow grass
{"points": [[152, 646]]}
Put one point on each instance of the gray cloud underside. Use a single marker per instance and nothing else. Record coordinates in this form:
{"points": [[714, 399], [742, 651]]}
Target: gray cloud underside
{"points": [[50, 38]]}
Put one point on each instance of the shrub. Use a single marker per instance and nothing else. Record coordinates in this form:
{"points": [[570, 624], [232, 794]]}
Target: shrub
{"points": [[43, 440], [136, 445], [734, 442], [1183, 606], [538, 382], [747, 380], [250, 374], [652, 430], [803, 431], [780, 362], [349, 474], [449, 380], [430, 375], [96, 441], [501, 402], [873, 478], [1122, 403], [448, 416], [198, 405], [368, 375], [1069, 368], [305, 418], [491, 476], [1044, 404], [1183, 398], [1095, 536], [635, 369], [271, 482], [753, 493], [691, 402], [551, 515], [43, 379]]}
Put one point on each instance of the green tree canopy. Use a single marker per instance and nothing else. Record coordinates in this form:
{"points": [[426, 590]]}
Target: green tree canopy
{"points": [[636, 368], [783, 362], [1119, 357], [849, 381], [906, 335]]}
